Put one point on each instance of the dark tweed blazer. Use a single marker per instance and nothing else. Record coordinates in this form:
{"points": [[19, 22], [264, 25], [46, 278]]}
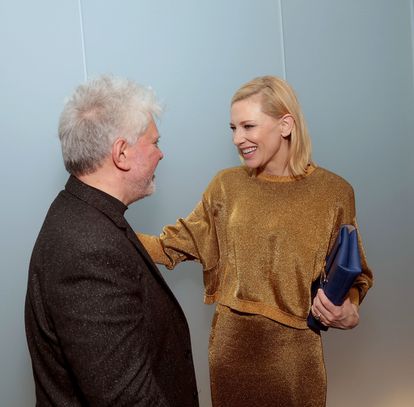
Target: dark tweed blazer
{"points": [[103, 328]]}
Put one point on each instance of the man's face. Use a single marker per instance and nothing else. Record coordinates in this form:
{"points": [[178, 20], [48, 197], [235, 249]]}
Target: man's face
{"points": [[145, 155]]}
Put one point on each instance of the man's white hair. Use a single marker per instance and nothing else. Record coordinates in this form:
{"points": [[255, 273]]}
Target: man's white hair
{"points": [[96, 114]]}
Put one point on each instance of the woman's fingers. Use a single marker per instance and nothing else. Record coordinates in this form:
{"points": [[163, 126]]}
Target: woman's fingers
{"points": [[344, 316]]}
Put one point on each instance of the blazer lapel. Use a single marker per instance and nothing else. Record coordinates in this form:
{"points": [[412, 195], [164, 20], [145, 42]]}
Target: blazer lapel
{"points": [[151, 265], [134, 239], [114, 210]]}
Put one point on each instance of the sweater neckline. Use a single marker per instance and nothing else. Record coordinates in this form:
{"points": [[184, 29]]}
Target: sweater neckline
{"points": [[283, 178]]}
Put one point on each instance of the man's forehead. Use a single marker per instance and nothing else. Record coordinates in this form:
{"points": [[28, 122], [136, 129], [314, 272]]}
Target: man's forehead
{"points": [[152, 130]]}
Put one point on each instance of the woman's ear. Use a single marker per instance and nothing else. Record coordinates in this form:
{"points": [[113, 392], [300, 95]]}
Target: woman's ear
{"points": [[119, 157], [287, 123]]}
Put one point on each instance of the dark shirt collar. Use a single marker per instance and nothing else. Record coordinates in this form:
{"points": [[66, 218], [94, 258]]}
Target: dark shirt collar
{"points": [[109, 205]]}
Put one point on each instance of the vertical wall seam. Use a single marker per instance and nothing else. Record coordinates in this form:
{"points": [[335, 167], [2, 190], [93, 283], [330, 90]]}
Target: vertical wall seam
{"points": [[282, 39], [412, 38], [85, 70]]}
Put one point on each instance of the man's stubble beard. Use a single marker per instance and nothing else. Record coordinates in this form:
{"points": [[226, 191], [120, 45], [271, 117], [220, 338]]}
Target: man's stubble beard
{"points": [[146, 189]]}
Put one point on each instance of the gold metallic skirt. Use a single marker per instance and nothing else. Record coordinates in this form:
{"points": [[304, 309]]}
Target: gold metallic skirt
{"points": [[255, 361]]}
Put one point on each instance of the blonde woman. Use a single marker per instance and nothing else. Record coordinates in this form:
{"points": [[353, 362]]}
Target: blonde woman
{"points": [[262, 232]]}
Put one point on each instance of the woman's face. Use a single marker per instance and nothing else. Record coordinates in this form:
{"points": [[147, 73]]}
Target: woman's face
{"points": [[258, 136]]}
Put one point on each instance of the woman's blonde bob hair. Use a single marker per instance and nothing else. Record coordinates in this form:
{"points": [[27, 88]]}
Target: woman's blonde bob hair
{"points": [[278, 99]]}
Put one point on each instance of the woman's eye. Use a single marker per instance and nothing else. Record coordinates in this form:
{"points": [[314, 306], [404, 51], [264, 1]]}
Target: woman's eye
{"points": [[232, 128], [248, 126]]}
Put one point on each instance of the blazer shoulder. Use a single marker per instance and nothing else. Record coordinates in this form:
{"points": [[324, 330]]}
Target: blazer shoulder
{"points": [[71, 221]]}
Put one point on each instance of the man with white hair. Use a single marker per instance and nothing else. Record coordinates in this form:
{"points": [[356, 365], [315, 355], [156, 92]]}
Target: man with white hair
{"points": [[103, 328]]}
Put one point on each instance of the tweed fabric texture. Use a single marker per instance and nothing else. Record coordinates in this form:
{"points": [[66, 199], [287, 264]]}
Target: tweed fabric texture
{"points": [[103, 328], [262, 240]]}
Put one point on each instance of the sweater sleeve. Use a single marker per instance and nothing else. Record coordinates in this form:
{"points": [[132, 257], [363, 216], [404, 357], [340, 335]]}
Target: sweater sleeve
{"points": [[365, 280], [191, 238]]}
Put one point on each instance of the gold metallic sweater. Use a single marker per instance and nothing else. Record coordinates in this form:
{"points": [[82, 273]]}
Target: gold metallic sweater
{"points": [[262, 240]]}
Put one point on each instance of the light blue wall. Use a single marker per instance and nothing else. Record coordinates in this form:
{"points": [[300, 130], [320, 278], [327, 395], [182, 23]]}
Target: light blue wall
{"points": [[352, 66], [195, 54], [40, 61]]}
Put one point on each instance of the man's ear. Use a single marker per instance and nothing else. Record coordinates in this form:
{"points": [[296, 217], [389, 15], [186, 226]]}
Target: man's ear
{"points": [[287, 123], [119, 158]]}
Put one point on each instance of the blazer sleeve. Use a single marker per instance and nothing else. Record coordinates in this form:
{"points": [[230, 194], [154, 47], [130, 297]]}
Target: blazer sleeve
{"points": [[102, 329]]}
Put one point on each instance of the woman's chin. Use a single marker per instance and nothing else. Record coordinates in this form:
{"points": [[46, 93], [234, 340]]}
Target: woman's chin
{"points": [[248, 163]]}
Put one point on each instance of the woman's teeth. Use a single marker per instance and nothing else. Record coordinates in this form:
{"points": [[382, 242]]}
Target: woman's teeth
{"points": [[249, 150]]}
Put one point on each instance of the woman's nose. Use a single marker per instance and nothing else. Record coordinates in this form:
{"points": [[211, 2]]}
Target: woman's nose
{"points": [[237, 137]]}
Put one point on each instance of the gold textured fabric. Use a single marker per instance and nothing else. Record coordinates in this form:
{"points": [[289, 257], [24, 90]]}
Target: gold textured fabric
{"points": [[262, 240], [255, 361]]}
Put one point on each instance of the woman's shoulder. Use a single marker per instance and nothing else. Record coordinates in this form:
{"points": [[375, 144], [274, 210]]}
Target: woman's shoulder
{"points": [[227, 179], [331, 179], [231, 174]]}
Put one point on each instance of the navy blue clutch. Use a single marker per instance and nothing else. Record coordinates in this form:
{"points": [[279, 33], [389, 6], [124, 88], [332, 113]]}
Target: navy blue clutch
{"points": [[343, 265]]}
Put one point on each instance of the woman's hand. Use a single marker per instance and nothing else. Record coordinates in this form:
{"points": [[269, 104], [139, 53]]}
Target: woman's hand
{"points": [[344, 316]]}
